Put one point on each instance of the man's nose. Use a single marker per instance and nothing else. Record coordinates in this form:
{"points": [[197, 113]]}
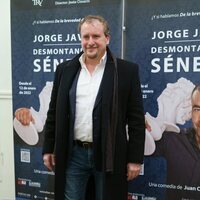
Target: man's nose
{"points": [[90, 41], [197, 121], [198, 117]]}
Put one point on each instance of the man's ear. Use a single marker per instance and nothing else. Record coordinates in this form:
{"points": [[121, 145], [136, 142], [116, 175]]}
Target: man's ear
{"points": [[108, 40]]}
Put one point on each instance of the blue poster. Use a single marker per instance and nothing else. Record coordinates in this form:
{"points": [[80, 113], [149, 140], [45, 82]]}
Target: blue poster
{"points": [[163, 38], [44, 34]]}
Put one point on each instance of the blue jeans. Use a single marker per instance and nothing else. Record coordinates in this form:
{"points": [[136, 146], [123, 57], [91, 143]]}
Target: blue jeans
{"points": [[80, 167]]}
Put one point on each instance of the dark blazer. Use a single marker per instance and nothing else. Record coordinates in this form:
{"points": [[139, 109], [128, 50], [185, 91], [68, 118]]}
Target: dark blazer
{"points": [[61, 115], [183, 163]]}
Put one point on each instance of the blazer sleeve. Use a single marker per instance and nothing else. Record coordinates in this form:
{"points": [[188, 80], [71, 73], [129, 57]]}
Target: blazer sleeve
{"points": [[136, 121], [50, 124]]}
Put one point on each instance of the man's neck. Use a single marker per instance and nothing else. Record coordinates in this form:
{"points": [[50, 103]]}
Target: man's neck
{"points": [[92, 63]]}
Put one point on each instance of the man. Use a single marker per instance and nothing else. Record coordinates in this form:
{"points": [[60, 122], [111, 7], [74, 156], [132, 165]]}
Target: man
{"points": [[94, 96], [182, 154]]}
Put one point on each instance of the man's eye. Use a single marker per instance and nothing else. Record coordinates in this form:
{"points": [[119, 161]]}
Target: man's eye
{"points": [[196, 109], [86, 37]]}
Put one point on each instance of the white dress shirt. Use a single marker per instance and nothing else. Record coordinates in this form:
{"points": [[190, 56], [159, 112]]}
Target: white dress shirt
{"points": [[86, 93]]}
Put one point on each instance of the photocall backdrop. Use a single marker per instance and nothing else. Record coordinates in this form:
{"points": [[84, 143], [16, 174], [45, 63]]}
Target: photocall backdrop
{"points": [[163, 38], [44, 33]]}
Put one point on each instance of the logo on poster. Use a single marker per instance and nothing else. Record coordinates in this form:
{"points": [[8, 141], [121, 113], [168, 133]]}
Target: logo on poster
{"points": [[21, 182], [37, 2]]}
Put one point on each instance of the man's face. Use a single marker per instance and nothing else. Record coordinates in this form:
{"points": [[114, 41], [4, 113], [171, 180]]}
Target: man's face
{"points": [[93, 40], [196, 110]]}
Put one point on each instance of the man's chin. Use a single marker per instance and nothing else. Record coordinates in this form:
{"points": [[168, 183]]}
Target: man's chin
{"points": [[91, 55]]}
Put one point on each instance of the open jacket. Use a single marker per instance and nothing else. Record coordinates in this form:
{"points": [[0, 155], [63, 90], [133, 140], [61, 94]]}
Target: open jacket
{"points": [[61, 115], [183, 163]]}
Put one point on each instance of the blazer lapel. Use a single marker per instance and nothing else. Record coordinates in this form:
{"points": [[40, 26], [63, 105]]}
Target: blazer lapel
{"points": [[69, 75], [189, 147], [72, 95], [106, 86]]}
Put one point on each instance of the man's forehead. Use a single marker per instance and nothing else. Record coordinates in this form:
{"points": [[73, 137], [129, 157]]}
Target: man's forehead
{"points": [[97, 27], [94, 22], [196, 98]]}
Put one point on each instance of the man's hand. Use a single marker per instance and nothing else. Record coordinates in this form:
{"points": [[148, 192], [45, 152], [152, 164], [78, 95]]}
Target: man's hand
{"points": [[49, 161], [133, 170], [24, 116]]}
